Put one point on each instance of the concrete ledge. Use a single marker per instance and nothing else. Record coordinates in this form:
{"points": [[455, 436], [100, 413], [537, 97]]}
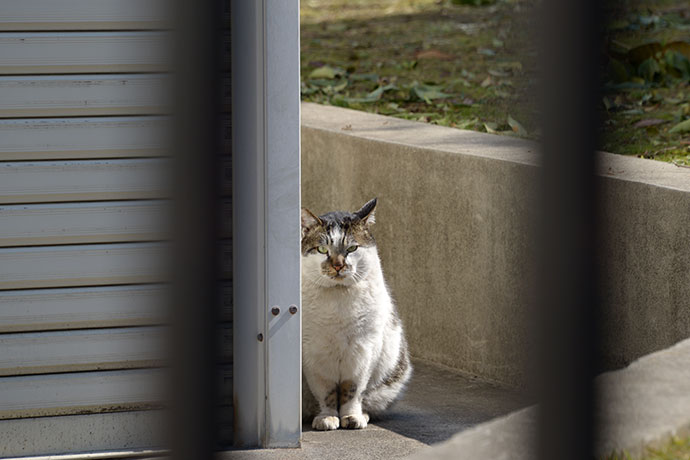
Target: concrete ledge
{"points": [[644, 404], [647, 402], [455, 236], [512, 437]]}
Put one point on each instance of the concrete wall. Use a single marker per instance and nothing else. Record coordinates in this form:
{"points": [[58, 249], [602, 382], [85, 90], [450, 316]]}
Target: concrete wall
{"points": [[645, 261], [454, 233]]}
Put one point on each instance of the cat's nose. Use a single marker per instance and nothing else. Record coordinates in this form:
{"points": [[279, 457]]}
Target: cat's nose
{"points": [[338, 262]]}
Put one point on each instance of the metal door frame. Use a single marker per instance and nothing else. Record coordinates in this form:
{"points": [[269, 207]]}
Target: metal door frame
{"points": [[266, 235]]}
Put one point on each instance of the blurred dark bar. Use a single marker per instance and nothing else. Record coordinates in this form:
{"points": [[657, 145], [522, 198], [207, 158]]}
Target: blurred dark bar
{"points": [[196, 56], [569, 53]]}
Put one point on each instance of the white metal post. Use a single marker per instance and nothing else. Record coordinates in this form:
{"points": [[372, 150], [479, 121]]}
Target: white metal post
{"points": [[266, 202]]}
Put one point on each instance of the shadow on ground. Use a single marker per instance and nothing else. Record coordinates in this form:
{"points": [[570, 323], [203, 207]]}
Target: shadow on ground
{"points": [[438, 403]]}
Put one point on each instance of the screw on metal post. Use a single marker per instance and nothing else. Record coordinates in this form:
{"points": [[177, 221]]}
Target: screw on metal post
{"points": [[275, 311], [260, 337], [293, 309]]}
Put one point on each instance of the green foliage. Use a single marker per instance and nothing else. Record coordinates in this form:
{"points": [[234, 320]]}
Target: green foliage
{"points": [[472, 2], [326, 72], [424, 60], [682, 127], [677, 64], [652, 62], [467, 65], [645, 109], [427, 93], [619, 456], [677, 448]]}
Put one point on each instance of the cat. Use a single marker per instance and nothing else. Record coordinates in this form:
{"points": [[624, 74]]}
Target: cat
{"points": [[354, 353]]}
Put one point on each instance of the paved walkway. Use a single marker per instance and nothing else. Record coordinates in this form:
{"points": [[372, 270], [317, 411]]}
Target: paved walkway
{"points": [[438, 404]]}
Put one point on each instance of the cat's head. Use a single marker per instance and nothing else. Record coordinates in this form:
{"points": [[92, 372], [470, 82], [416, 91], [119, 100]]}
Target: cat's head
{"points": [[337, 246]]}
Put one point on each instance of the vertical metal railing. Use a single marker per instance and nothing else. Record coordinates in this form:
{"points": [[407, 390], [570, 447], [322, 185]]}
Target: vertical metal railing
{"points": [[266, 203], [196, 53], [248, 207], [569, 45], [568, 301]]}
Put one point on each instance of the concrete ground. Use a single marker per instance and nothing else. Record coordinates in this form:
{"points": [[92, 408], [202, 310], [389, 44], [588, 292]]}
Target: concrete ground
{"points": [[438, 404], [642, 405]]}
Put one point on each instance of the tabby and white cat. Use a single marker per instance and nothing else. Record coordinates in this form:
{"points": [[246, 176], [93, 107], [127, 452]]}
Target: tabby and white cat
{"points": [[354, 353]]}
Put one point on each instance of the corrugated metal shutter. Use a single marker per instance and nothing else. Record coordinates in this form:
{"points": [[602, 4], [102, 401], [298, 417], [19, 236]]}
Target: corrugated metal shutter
{"points": [[83, 215]]}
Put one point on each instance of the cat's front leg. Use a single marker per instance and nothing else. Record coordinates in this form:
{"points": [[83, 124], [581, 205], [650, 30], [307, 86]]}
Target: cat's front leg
{"points": [[355, 371], [350, 399], [326, 393]]}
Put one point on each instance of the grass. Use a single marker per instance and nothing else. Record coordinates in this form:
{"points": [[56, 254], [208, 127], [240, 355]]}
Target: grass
{"points": [[472, 67], [677, 448], [646, 97], [426, 60]]}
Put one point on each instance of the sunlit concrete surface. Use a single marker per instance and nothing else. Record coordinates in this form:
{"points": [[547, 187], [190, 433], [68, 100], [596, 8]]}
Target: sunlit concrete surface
{"points": [[454, 228], [641, 405], [439, 403]]}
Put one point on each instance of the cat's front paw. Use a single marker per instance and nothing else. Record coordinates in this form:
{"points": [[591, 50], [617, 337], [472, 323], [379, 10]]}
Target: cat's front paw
{"points": [[325, 422], [354, 422]]}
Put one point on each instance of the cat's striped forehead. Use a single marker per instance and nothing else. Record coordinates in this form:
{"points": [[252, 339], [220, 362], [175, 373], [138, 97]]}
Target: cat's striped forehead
{"points": [[338, 222], [338, 230], [336, 238]]}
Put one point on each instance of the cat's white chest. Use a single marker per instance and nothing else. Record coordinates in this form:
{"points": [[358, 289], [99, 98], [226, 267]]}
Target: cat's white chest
{"points": [[340, 330], [334, 314]]}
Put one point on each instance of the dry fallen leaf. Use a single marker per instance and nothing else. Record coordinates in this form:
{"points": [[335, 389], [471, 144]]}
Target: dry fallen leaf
{"points": [[679, 47], [516, 126], [648, 122], [490, 128], [433, 54], [682, 127]]}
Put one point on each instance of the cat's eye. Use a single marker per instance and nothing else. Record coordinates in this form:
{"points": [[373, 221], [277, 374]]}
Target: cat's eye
{"points": [[322, 249], [352, 248]]}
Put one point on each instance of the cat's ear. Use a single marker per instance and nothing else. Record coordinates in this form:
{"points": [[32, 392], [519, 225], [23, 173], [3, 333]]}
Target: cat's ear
{"points": [[367, 213], [309, 220]]}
